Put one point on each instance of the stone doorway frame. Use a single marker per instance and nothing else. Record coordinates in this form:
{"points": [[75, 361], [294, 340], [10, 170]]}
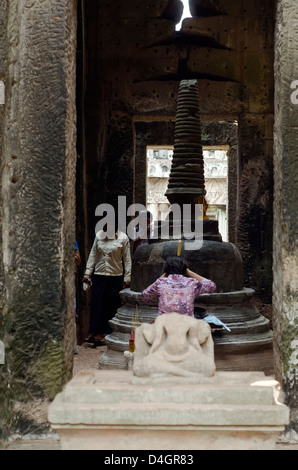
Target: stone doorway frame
{"points": [[214, 134], [18, 57]]}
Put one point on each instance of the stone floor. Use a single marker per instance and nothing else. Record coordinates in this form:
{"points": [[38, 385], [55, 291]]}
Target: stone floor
{"points": [[87, 358]]}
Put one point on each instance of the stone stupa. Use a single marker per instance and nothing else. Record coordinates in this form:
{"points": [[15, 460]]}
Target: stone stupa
{"points": [[248, 345]]}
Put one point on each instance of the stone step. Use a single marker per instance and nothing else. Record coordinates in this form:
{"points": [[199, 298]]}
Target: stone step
{"points": [[109, 398], [99, 390]]}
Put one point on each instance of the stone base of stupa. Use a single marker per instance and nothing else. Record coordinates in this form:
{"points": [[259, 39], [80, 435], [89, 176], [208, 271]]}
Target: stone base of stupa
{"points": [[248, 346], [107, 410]]}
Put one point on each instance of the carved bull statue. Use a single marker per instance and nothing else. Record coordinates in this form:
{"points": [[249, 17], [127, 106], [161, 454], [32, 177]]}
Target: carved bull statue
{"points": [[174, 346]]}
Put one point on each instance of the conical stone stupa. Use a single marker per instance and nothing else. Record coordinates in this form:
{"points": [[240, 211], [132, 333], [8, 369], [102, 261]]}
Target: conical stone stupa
{"points": [[186, 183]]}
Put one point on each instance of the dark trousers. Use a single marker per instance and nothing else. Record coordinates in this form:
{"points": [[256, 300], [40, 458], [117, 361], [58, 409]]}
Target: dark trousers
{"points": [[105, 301]]}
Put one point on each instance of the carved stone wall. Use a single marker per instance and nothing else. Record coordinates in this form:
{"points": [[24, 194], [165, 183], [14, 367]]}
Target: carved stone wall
{"points": [[38, 159], [5, 403], [285, 244], [133, 63]]}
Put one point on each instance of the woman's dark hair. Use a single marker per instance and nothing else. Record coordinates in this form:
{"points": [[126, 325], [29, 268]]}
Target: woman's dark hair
{"points": [[175, 265]]}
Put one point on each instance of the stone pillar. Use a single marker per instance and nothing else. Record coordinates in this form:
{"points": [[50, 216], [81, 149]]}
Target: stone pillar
{"points": [[38, 161], [4, 400], [254, 226], [119, 165], [226, 133], [285, 244]]}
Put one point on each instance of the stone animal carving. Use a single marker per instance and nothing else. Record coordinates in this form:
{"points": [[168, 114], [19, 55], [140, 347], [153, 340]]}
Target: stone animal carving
{"points": [[174, 346]]}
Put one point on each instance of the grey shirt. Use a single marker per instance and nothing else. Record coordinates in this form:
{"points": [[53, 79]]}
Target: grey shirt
{"points": [[106, 256]]}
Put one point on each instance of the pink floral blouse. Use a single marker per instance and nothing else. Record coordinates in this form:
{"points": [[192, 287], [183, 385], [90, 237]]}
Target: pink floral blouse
{"points": [[177, 293]]}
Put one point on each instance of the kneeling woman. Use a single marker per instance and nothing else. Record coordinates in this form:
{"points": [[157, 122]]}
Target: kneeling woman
{"points": [[177, 288]]}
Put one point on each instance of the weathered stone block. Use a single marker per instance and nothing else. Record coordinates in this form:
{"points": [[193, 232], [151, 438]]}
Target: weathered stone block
{"points": [[232, 7], [215, 63], [232, 32], [285, 260], [132, 9], [38, 175], [223, 30], [224, 100], [159, 69], [256, 186], [232, 410], [156, 98], [204, 7], [128, 35]]}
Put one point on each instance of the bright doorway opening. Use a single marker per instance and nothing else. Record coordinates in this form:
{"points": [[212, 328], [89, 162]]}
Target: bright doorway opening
{"points": [[186, 14], [159, 160]]}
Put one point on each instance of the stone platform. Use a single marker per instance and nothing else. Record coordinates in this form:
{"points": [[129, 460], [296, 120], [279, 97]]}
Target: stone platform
{"points": [[108, 409]]}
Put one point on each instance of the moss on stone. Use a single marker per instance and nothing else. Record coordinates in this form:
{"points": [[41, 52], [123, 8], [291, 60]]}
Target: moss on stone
{"points": [[48, 369], [289, 336], [6, 414]]}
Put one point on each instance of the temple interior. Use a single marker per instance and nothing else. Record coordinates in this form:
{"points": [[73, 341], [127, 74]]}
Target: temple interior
{"points": [[133, 63], [89, 113]]}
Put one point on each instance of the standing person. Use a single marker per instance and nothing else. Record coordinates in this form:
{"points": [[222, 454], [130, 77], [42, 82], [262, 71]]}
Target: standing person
{"points": [[109, 264]]}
